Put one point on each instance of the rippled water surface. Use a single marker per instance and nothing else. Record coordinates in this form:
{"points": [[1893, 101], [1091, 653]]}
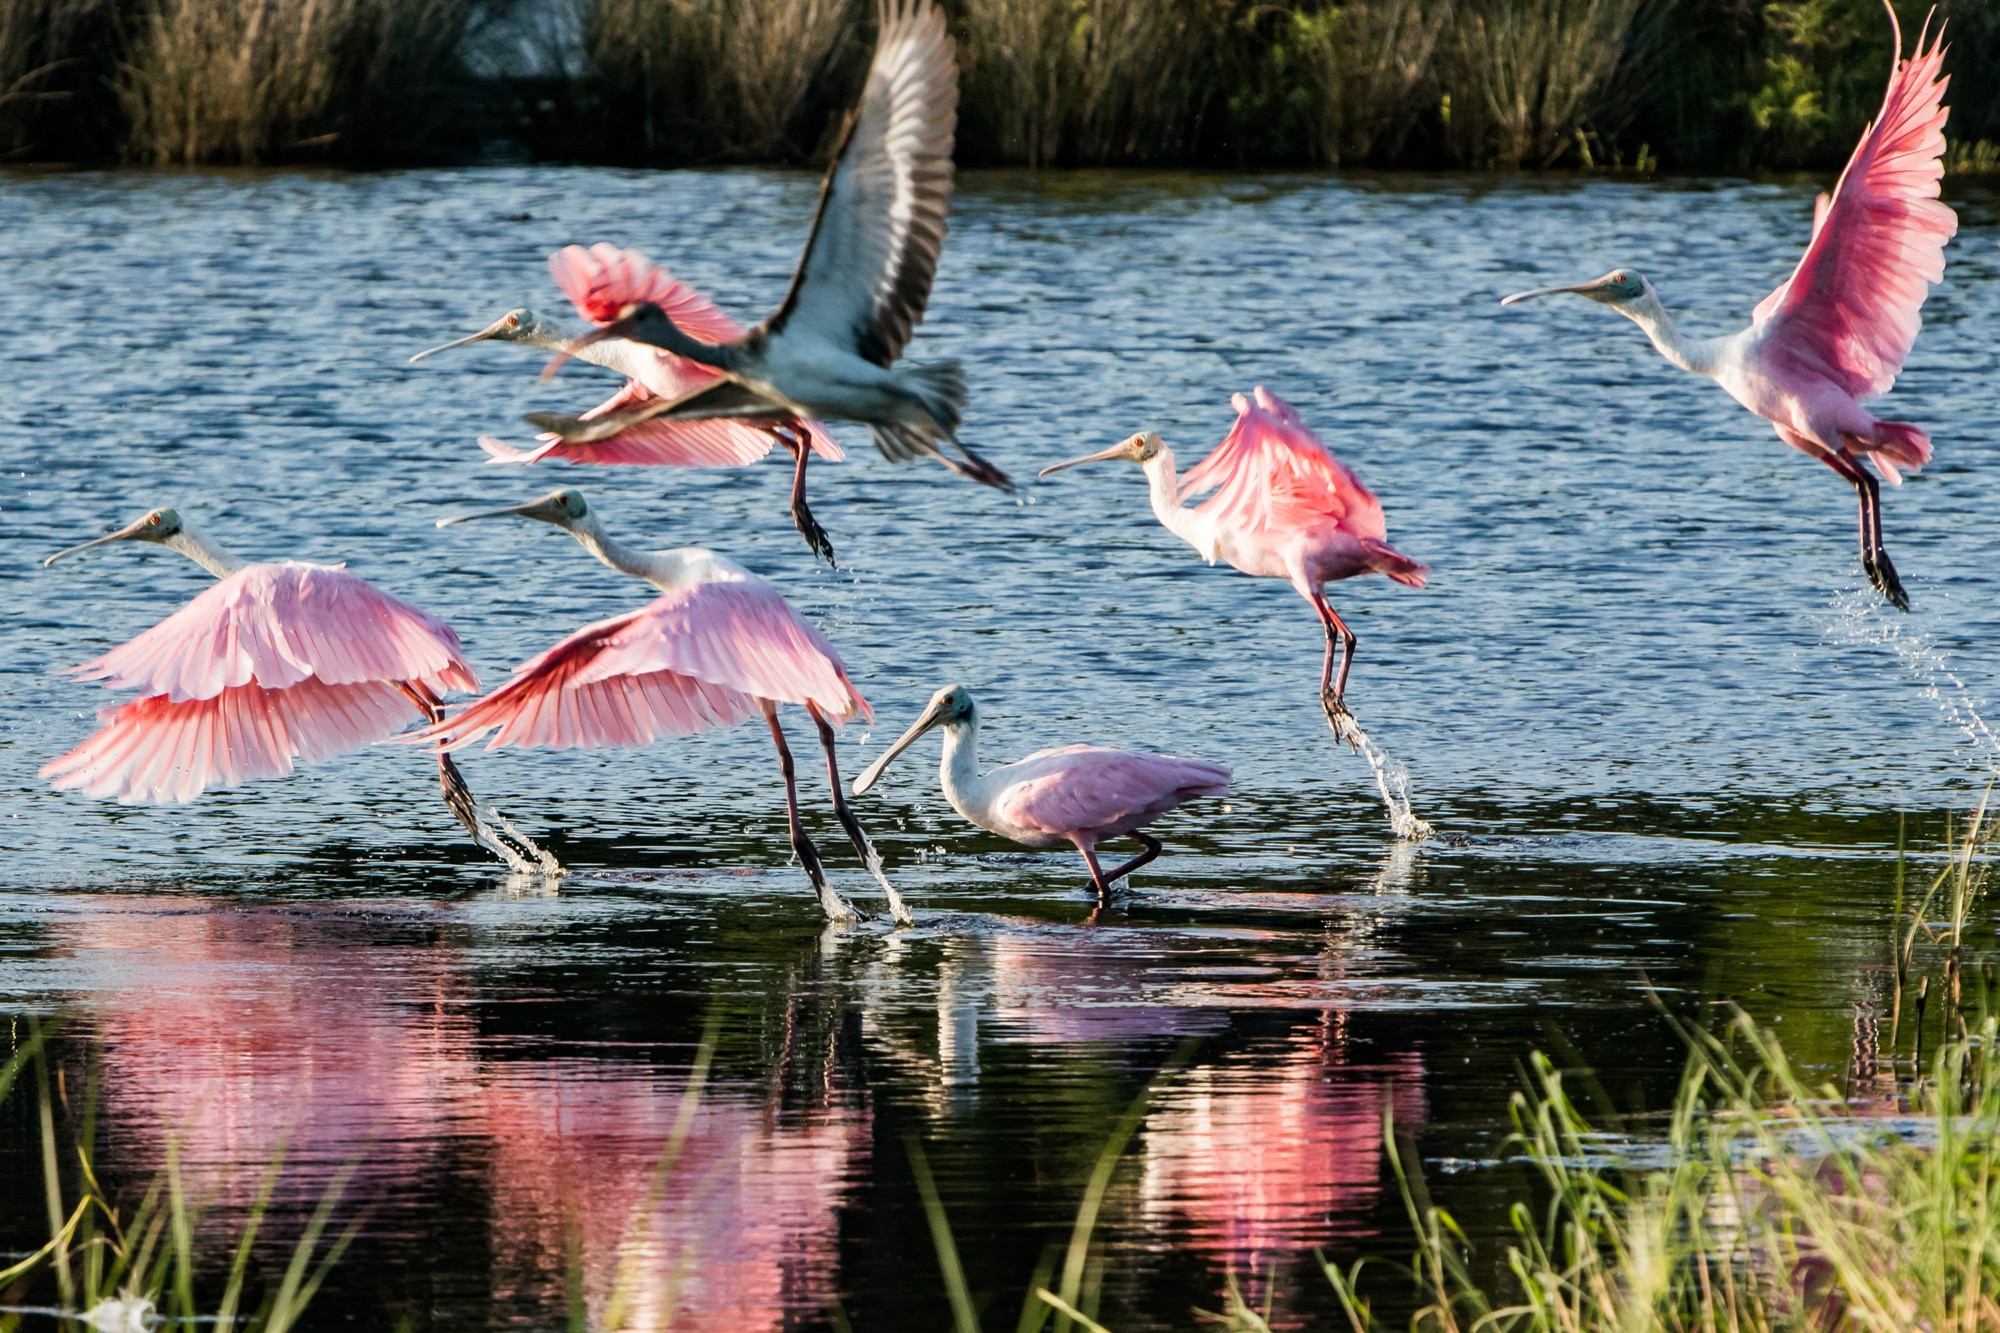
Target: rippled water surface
{"points": [[1646, 699]]}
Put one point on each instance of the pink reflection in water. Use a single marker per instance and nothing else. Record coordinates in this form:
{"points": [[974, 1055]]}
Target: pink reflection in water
{"points": [[1260, 1160], [226, 1030], [745, 1236]]}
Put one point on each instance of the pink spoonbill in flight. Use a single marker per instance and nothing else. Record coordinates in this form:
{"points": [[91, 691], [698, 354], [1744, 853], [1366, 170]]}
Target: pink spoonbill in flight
{"points": [[599, 282], [859, 291], [275, 663], [1837, 331], [1079, 795], [1283, 508], [718, 646]]}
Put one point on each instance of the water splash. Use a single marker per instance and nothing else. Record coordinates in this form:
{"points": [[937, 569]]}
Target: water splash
{"points": [[1859, 620], [497, 834], [897, 912], [1391, 778]]}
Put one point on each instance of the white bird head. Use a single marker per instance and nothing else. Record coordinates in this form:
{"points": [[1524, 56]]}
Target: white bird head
{"points": [[1620, 288], [1142, 448], [951, 706], [516, 326], [565, 508], [161, 525]]}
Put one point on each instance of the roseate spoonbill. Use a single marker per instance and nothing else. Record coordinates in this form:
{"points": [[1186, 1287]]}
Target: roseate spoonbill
{"points": [[599, 282], [1079, 794], [861, 285], [719, 646], [1838, 330], [274, 663], [1284, 508]]}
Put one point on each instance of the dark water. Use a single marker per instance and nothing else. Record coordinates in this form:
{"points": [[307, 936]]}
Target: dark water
{"points": [[1644, 693]]}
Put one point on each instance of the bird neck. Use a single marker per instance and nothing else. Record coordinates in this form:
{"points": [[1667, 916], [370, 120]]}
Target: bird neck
{"points": [[203, 552], [958, 771], [625, 559], [620, 354], [1698, 355], [1164, 486], [670, 337]]}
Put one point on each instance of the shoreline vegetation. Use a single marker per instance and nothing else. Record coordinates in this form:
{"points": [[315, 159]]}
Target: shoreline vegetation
{"points": [[1596, 85]]}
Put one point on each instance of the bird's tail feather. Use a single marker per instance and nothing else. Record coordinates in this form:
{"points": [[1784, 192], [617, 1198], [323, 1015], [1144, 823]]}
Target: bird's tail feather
{"points": [[899, 443], [1898, 445], [940, 387], [1388, 560]]}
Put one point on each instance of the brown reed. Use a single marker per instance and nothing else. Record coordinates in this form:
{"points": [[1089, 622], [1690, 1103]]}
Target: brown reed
{"points": [[1527, 77]]}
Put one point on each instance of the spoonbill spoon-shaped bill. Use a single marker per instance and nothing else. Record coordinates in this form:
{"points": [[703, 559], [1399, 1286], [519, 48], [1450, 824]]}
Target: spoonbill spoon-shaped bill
{"points": [[1284, 508], [1837, 332], [718, 646], [861, 285], [276, 663], [1079, 795], [599, 282]]}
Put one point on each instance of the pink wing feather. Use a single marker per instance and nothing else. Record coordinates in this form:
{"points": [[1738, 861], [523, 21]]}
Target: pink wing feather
{"points": [[697, 657], [1089, 789], [272, 664], [1850, 309], [277, 625], [156, 750], [1272, 471], [698, 442], [603, 280]]}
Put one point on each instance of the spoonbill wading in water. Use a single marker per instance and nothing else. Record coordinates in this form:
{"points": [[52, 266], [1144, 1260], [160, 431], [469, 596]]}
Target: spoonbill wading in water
{"points": [[718, 647], [600, 282], [1079, 795], [860, 287], [1283, 508], [275, 663], [1838, 330]]}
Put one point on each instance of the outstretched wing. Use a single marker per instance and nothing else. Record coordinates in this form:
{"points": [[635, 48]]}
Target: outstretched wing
{"points": [[277, 625], [1850, 309], [158, 750], [625, 429], [1271, 471], [1085, 788], [867, 268], [604, 279], [697, 657]]}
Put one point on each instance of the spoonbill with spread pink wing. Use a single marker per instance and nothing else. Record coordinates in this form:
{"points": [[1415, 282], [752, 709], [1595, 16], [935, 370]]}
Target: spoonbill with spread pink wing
{"points": [[860, 288], [1837, 331], [1283, 508], [275, 663], [1079, 795], [600, 282], [718, 647]]}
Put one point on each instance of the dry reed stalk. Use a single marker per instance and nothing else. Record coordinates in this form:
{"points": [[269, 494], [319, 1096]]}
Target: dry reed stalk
{"points": [[252, 81], [716, 77], [43, 44], [1089, 81], [1527, 76], [1368, 67]]}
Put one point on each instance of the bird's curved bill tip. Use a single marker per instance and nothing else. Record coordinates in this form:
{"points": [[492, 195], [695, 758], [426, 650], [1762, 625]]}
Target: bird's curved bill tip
{"points": [[490, 331], [509, 512], [122, 534], [1122, 449], [873, 773], [1518, 297]]}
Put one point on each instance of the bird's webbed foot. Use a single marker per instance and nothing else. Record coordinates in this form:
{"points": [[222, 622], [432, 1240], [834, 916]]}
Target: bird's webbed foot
{"points": [[815, 535], [1341, 720], [1882, 573]]}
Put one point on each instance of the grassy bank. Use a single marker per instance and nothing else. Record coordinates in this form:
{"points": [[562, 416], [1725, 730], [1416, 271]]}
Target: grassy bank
{"points": [[1605, 84]]}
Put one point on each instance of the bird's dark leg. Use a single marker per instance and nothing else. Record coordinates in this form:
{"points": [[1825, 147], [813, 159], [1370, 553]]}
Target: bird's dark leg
{"points": [[1152, 846], [1875, 560], [794, 438], [457, 796], [862, 847], [835, 908], [1340, 642]]}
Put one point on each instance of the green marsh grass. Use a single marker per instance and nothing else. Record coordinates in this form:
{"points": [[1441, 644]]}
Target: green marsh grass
{"points": [[126, 1264]]}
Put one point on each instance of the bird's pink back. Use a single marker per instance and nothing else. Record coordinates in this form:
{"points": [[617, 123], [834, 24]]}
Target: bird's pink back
{"points": [[1091, 790], [276, 625], [1849, 312], [158, 750], [1271, 475], [696, 657]]}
